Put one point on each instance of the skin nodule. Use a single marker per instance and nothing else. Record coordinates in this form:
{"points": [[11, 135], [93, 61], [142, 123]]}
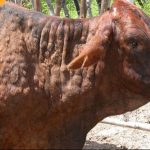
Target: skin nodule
{"points": [[59, 77]]}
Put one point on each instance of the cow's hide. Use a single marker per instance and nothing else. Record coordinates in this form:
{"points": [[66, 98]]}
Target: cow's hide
{"points": [[59, 77]]}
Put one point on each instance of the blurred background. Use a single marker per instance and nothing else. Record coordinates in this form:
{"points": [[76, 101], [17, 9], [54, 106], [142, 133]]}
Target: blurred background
{"points": [[76, 8]]}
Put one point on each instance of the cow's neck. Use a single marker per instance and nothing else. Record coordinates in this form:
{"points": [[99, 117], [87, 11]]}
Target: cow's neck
{"points": [[59, 43], [114, 97], [71, 92]]}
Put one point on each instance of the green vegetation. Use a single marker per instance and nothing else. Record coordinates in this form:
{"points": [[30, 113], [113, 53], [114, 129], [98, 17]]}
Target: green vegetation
{"points": [[72, 10], [146, 7], [27, 3]]}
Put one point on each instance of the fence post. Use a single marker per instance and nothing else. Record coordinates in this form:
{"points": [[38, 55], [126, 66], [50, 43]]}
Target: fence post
{"points": [[89, 11], [37, 5], [50, 6], [99, 5], [17, 1], [83, 9], [104, 5], [66, 12], [58, 7], [77, 6]]}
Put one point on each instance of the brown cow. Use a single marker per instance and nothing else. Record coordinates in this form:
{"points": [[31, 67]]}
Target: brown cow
{"points": [[46, 103]]}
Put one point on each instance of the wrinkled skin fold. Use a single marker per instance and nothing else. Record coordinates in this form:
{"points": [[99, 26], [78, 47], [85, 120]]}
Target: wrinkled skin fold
{"points": [[59, 77]]}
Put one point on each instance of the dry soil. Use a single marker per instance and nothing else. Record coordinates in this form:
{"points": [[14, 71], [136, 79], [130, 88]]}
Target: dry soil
{"points": [[104, 136]]}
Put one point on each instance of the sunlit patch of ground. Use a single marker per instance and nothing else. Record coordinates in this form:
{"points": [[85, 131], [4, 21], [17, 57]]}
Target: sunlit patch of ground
{"points": [[105, 136]]}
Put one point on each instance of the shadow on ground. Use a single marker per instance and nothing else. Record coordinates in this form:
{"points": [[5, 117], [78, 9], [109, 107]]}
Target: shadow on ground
{"points": [[95, 145]]}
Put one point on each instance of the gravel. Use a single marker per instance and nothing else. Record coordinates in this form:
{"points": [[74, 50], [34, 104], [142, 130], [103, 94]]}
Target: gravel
{"points": [[104, 136]]}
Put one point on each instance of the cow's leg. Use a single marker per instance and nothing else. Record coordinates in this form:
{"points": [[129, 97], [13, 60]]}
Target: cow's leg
{"points": [[68, 141], [70, 131]]}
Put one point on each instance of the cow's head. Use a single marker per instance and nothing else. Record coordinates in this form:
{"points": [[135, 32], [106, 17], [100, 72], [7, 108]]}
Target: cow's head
{"points": [[125, 31]]}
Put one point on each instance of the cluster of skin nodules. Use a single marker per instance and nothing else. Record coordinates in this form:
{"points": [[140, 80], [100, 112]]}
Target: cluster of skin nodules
{"points": [[95, 49], [69, 74], [65, 45]]}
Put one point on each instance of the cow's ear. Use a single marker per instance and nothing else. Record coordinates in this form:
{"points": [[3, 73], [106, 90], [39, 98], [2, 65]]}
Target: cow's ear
{"points": [[95, 49], [90, 54]]}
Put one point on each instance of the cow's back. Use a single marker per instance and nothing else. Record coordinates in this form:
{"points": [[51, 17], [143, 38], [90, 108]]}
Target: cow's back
{"points": [[41, 101]]}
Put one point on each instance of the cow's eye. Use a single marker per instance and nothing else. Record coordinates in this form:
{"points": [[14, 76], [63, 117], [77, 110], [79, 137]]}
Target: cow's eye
{"points": [[132, 43]]}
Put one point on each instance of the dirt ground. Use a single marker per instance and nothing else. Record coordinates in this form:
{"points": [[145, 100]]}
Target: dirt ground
{"points": [[104, 136]]}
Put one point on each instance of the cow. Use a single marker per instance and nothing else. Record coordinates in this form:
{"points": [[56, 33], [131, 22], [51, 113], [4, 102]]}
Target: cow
{"points": [[59, 77]]}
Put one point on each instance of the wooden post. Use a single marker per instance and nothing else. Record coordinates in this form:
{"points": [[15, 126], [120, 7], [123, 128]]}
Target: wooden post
{"points": [[104, 5], [50, 6], [83, 9], [99, 5], [37, 5], [89, 11], [66, 12], [19, 2], [77, 6], [32, 1], [58, 7]]}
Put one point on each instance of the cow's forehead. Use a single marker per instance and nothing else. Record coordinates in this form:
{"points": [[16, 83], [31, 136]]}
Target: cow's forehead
{"points": [[115, 12], [121, 4], [123, 7], [124, 17], [128, 13]]}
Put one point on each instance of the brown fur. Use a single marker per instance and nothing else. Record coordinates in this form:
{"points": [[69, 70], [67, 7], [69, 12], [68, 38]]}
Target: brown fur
{"points": [[43, 104]]}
